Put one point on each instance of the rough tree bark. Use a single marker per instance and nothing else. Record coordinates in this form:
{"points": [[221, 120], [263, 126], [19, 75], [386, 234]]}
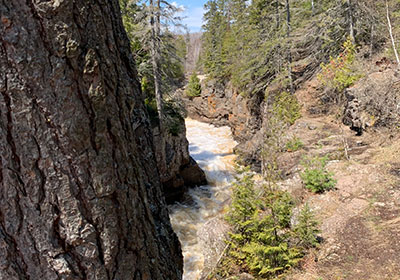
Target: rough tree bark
{"points": [[80, 197]]}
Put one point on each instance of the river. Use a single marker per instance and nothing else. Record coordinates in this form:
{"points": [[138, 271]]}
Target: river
{"points": [[212, 148]]}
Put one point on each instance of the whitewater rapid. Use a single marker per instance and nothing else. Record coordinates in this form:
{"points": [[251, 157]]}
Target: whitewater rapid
{"points": [[212, 148]]}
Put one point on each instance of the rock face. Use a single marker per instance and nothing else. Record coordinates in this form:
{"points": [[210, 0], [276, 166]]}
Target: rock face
{"points": [[375, 100], [222, 105], [178, 171], [80, 193], [212, 238]]}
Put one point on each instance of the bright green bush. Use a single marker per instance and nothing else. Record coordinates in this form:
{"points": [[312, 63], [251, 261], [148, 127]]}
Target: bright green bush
{"points": [[339, 73], [261, 242], [315, 176], [286, 108], [194, 87], [243, 207], [294, 144], [306, 229]]}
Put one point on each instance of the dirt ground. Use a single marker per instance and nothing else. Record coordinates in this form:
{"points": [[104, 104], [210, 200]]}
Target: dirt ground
{"points": [[360, 219]]}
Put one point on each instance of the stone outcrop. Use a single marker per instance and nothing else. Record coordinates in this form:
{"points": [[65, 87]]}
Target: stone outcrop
{"points": [[221, 104], [212, 238], [373, 101], [178, 171]]}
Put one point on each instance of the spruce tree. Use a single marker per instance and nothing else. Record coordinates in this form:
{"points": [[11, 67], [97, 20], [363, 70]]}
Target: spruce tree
{"points": [[194, 87]]}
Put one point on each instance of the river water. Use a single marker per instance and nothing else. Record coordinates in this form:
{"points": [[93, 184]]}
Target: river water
{"points": [[212, 148]]}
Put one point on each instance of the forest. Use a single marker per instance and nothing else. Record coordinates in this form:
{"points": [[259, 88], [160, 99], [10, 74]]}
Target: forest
{"points": [[264, 146]]}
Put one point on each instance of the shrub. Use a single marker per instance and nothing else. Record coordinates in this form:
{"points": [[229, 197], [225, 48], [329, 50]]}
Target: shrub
{"points": [[294, 144], [194, 87], [315, 177], [174, 116], [243, 207], [286, 108], [339, 73], [306, 229], [151, 107], [261, 240]]}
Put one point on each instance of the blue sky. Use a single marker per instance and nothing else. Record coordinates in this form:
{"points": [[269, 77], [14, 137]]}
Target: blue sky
{"points": [[193, 13]]}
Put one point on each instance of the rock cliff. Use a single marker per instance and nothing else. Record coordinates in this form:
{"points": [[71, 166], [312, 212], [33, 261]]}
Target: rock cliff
{"points": [[178, 170]]}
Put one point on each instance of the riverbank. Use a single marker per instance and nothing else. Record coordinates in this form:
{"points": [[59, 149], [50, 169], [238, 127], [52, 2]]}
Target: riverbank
{"points": [[192, 218], [359, 218]]}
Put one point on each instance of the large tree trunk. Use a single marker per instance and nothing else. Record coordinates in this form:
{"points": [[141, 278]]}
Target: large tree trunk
{"points": [[80, 196]]}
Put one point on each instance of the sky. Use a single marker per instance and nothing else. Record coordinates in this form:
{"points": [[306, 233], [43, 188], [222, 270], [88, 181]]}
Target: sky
{"points": [[193, 13]]}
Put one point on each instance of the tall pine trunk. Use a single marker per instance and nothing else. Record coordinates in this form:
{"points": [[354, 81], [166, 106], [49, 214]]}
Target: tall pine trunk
{"points": [[155, 24], [289, 51], [391, 35], [278, 18], [351, 21], [80, 196], [312, 7]]}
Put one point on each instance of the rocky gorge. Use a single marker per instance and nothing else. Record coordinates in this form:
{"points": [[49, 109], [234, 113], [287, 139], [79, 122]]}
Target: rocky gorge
{"points": [[361, 142], [223, 105], [178, 170]]}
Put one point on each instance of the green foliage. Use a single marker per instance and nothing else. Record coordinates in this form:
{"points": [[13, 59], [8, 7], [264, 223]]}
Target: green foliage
{"points": [[151, 107], [339, 73], [136, 19], [214, 57], [244, 205], [286, 108], [194, 87], [315, 176], [294, 144], [262, 240], [271, 257], [174, 119], [247, 42], [306, 229]]}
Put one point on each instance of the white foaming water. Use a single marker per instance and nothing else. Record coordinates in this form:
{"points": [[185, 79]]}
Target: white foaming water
{"points": [[212, 148]]}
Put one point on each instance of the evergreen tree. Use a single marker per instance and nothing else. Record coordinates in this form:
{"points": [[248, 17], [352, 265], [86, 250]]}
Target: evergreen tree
{"points": [[306, 229], [194, 87], [215, 31], [137, 21]]}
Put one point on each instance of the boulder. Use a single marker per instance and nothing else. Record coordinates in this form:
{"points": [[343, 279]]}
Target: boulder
{"points": [[373, 101], [212, 238], [192, 175]]}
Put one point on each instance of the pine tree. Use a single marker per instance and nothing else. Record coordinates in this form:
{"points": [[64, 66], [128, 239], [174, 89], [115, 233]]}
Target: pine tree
{"points": [[306, 230], [146, 38], [215, 31], [194, 87]]}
